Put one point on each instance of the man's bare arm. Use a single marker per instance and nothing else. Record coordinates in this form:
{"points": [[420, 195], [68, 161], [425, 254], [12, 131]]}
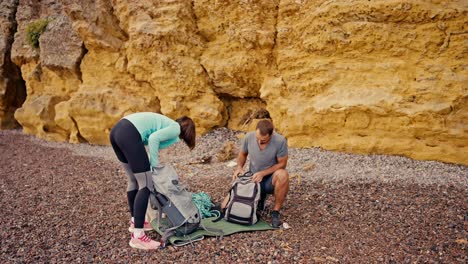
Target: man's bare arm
{"points": [[241, 159]]}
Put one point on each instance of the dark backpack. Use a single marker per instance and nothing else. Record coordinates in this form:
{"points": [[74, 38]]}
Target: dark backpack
{"points": [[243, 201]]}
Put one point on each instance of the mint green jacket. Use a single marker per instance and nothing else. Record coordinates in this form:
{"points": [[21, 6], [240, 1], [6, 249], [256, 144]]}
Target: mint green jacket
{"points": [[157, 132]]}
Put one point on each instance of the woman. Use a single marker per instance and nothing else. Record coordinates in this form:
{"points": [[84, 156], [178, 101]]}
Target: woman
{"points": [[128, 138]]}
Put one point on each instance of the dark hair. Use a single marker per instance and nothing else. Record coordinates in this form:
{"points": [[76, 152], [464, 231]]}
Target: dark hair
{"points": [[187, 130], [265, 126]]}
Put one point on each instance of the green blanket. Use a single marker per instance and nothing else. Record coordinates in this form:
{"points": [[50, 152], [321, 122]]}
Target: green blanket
{"points": [[227, 228]]}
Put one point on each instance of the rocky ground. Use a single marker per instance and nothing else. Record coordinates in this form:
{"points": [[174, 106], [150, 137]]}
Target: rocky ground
{"points": [[66, 203]]}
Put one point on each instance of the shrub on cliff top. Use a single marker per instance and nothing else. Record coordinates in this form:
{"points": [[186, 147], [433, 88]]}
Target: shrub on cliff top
{"points": [[34, 31]]}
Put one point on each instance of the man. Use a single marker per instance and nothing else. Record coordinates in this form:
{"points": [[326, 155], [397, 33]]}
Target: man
{"points": [[268, 152]]}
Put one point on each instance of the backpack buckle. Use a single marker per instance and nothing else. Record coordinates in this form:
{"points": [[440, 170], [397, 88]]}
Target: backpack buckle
{"points": [[247, 174]]}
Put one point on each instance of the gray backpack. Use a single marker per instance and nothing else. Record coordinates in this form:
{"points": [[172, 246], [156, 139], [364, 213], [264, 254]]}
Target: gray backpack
{"points": [[173, 199], [243, 200]]}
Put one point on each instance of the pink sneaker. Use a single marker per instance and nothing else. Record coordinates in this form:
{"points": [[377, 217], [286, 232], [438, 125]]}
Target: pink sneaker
{"points": [[144, 242], [146, 226]]}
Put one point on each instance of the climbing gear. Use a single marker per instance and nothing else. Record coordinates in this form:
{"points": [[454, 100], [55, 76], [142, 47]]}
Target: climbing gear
{"points": [[203, 202], [173, 199], [243, 200]]}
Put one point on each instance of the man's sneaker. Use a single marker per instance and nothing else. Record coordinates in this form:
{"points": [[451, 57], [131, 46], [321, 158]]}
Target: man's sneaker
{"points": [[275, 219], [146, 226], [143, 242]]}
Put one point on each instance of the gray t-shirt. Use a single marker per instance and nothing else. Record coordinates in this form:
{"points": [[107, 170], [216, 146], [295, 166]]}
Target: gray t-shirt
{"points": [[264, 159]]}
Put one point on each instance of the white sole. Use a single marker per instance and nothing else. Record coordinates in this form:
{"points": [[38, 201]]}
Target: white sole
{"points": [[138, 246], [135, 246]]}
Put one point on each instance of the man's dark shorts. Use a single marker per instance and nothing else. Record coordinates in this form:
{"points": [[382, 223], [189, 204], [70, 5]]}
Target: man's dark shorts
{"points": [[266, 185]]}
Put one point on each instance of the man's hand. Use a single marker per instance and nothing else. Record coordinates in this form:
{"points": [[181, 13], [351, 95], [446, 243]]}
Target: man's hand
{"points": [[237, 172], [257, 177]]}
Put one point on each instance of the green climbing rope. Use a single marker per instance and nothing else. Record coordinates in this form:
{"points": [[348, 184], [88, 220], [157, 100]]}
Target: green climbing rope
{"points": [[203, 202]]}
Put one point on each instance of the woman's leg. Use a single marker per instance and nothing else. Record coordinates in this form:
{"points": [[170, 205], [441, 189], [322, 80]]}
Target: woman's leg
{"points": [[132, 186], [116, 135], [130, 150]]}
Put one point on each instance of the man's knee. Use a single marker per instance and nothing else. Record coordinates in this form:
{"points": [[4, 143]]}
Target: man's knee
{"points": [[280, 177]]}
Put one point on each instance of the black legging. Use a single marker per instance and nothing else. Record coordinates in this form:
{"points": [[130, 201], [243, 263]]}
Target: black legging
{"points": [[129, 148], [127, 145]]}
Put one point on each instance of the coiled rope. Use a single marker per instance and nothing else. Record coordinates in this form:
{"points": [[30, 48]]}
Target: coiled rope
{"points": [[203, 202]]}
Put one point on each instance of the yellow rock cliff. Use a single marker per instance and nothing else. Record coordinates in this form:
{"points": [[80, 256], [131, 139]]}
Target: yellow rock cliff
{"points": [[384, 76]]}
